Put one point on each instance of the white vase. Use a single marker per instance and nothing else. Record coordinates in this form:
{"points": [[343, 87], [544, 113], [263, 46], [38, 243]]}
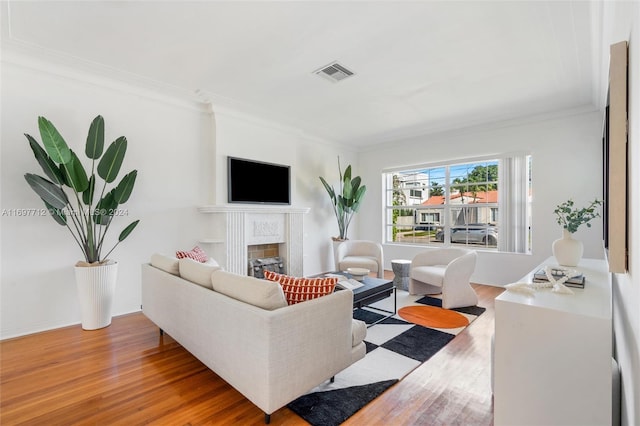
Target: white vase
{"points": [[336, 244], [96, 289], [567, 250]]}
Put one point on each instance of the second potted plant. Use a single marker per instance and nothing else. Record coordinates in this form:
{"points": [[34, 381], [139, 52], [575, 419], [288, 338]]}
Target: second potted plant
{"points": [[346, 201]]}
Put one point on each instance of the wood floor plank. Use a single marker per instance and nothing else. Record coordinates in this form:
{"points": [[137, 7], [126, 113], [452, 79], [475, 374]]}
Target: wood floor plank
{"points": [[128, 374]]}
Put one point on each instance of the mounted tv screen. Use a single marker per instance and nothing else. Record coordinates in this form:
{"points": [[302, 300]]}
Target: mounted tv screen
{"points": [[251, 181]]}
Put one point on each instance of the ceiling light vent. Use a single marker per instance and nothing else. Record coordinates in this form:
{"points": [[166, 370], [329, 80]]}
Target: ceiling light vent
{"points": [[334, 72]]}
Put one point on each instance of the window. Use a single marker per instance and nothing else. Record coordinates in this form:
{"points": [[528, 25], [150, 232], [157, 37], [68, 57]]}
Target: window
{"points": [[480, 203], [415, 193]]}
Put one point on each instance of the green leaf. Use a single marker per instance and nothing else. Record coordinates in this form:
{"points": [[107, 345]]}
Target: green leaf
{"points": [[342, 205], [76, 176], [329, 189], [347, 173], [360, 193], [355, 183], [126, 231], [47, 190], [347, 188], [358, 197], [87, 195], [105, 209], [90, 245], [110, 163], [95, 138], [53, 142], [57, 214], [48, 166], [124, 188]]}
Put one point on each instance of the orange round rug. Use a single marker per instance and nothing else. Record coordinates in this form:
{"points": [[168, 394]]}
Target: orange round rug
{"points": [[432, 316]]}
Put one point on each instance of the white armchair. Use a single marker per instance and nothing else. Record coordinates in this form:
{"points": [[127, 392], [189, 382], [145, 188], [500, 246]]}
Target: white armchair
{"points": [[360, 254], [446, 271]]}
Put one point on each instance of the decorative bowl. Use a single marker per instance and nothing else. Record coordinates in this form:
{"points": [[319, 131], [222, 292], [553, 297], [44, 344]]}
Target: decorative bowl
{"points": [[358, 273]]}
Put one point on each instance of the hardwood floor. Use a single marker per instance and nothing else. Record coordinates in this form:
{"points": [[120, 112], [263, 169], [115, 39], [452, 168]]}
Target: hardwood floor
{"points": [[127, 374]]}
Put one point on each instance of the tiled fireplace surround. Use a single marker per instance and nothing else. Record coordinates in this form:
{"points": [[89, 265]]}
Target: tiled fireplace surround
{"points": [[234, 231]]}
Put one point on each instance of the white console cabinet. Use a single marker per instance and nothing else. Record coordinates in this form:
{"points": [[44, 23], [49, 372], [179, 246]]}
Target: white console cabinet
{"points": [[552, 359]]}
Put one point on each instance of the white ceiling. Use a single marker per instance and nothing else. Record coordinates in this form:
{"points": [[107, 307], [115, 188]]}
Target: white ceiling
{"points": [[421, 66]]}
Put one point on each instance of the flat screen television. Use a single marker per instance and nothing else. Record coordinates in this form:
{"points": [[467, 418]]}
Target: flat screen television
{"points": [[251, 181]]}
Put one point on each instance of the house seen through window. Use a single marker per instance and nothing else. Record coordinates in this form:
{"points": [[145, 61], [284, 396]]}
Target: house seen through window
{"points": [[480, 203]]}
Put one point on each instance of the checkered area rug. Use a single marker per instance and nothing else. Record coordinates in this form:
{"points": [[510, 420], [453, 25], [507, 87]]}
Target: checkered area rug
{"points": [[395, 347]]}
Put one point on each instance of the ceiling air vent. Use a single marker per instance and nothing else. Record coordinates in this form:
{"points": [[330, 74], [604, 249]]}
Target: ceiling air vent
{"points": [[334, 72]]}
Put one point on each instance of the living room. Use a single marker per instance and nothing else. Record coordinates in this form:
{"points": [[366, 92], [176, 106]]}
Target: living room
{"points": [[180, 138]]}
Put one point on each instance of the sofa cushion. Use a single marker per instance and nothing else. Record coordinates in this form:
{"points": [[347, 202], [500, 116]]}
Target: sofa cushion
{"points": [[196, 272], [433, 274], [195, 253], [261, 293], [358, 332], [359, 262], [166, 263], [297, 289], [212, 262]]}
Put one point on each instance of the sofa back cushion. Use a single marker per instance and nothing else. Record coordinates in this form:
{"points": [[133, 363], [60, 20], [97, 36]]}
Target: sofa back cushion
{"points": [[166, 263], [298, 289], [261, 293], [196, 272]]}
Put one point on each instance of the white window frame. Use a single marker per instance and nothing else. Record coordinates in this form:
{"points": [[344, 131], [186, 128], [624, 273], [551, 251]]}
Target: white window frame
{"points": [[513, 206]]}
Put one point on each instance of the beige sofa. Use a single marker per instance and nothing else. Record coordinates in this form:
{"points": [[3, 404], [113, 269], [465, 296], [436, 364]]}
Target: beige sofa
{"points": [[242, 328]]}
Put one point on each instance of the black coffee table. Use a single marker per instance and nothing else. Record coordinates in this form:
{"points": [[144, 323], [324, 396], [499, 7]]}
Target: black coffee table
{"points": [[373, 290]]}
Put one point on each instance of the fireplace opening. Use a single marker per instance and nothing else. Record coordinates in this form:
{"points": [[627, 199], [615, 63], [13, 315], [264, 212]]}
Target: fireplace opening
{"points": [[265, 257]]}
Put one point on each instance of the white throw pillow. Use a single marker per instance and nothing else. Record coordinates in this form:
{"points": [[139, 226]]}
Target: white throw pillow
{"points": [[166, 263], [212, 262], [197, 272], [254, 291]]}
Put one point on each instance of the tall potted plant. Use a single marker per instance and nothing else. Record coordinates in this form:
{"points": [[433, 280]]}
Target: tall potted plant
{"points": [[75, 199], [347, 201]]}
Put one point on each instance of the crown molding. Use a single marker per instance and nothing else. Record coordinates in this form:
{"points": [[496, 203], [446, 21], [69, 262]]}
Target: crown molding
{"points": [[67, 67]]}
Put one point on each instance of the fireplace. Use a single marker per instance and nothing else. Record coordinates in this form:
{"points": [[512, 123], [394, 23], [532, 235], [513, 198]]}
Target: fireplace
{"points": [[258, 251], [257, 267], [265, 257], [233, 230]]}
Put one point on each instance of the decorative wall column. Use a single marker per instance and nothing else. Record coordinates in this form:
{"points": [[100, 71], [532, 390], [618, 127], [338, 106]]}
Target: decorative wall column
{"points": [[295, 244], [235, 243]]}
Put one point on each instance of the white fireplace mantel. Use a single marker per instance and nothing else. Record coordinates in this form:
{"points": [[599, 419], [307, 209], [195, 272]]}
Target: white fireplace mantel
{"points": [[233, 228], [250, 208]]}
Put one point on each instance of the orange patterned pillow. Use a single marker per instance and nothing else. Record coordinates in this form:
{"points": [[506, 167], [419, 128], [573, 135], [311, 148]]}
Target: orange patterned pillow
{"points": [[196, 254], [298, 290]]}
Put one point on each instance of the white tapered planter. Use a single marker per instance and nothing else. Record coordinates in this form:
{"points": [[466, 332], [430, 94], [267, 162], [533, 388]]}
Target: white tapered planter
{"points": [[96, 289], [335, 245]]}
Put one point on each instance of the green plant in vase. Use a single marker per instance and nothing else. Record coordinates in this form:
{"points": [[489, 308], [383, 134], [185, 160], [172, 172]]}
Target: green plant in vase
{"points": [[346, 201], [75, 199], [567, 250]]}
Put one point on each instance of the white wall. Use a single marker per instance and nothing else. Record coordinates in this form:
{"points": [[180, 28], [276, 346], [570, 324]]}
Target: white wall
{"points": [[622, 22], [566, 163], [167, 144], [244, 136], [179, 148]]}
